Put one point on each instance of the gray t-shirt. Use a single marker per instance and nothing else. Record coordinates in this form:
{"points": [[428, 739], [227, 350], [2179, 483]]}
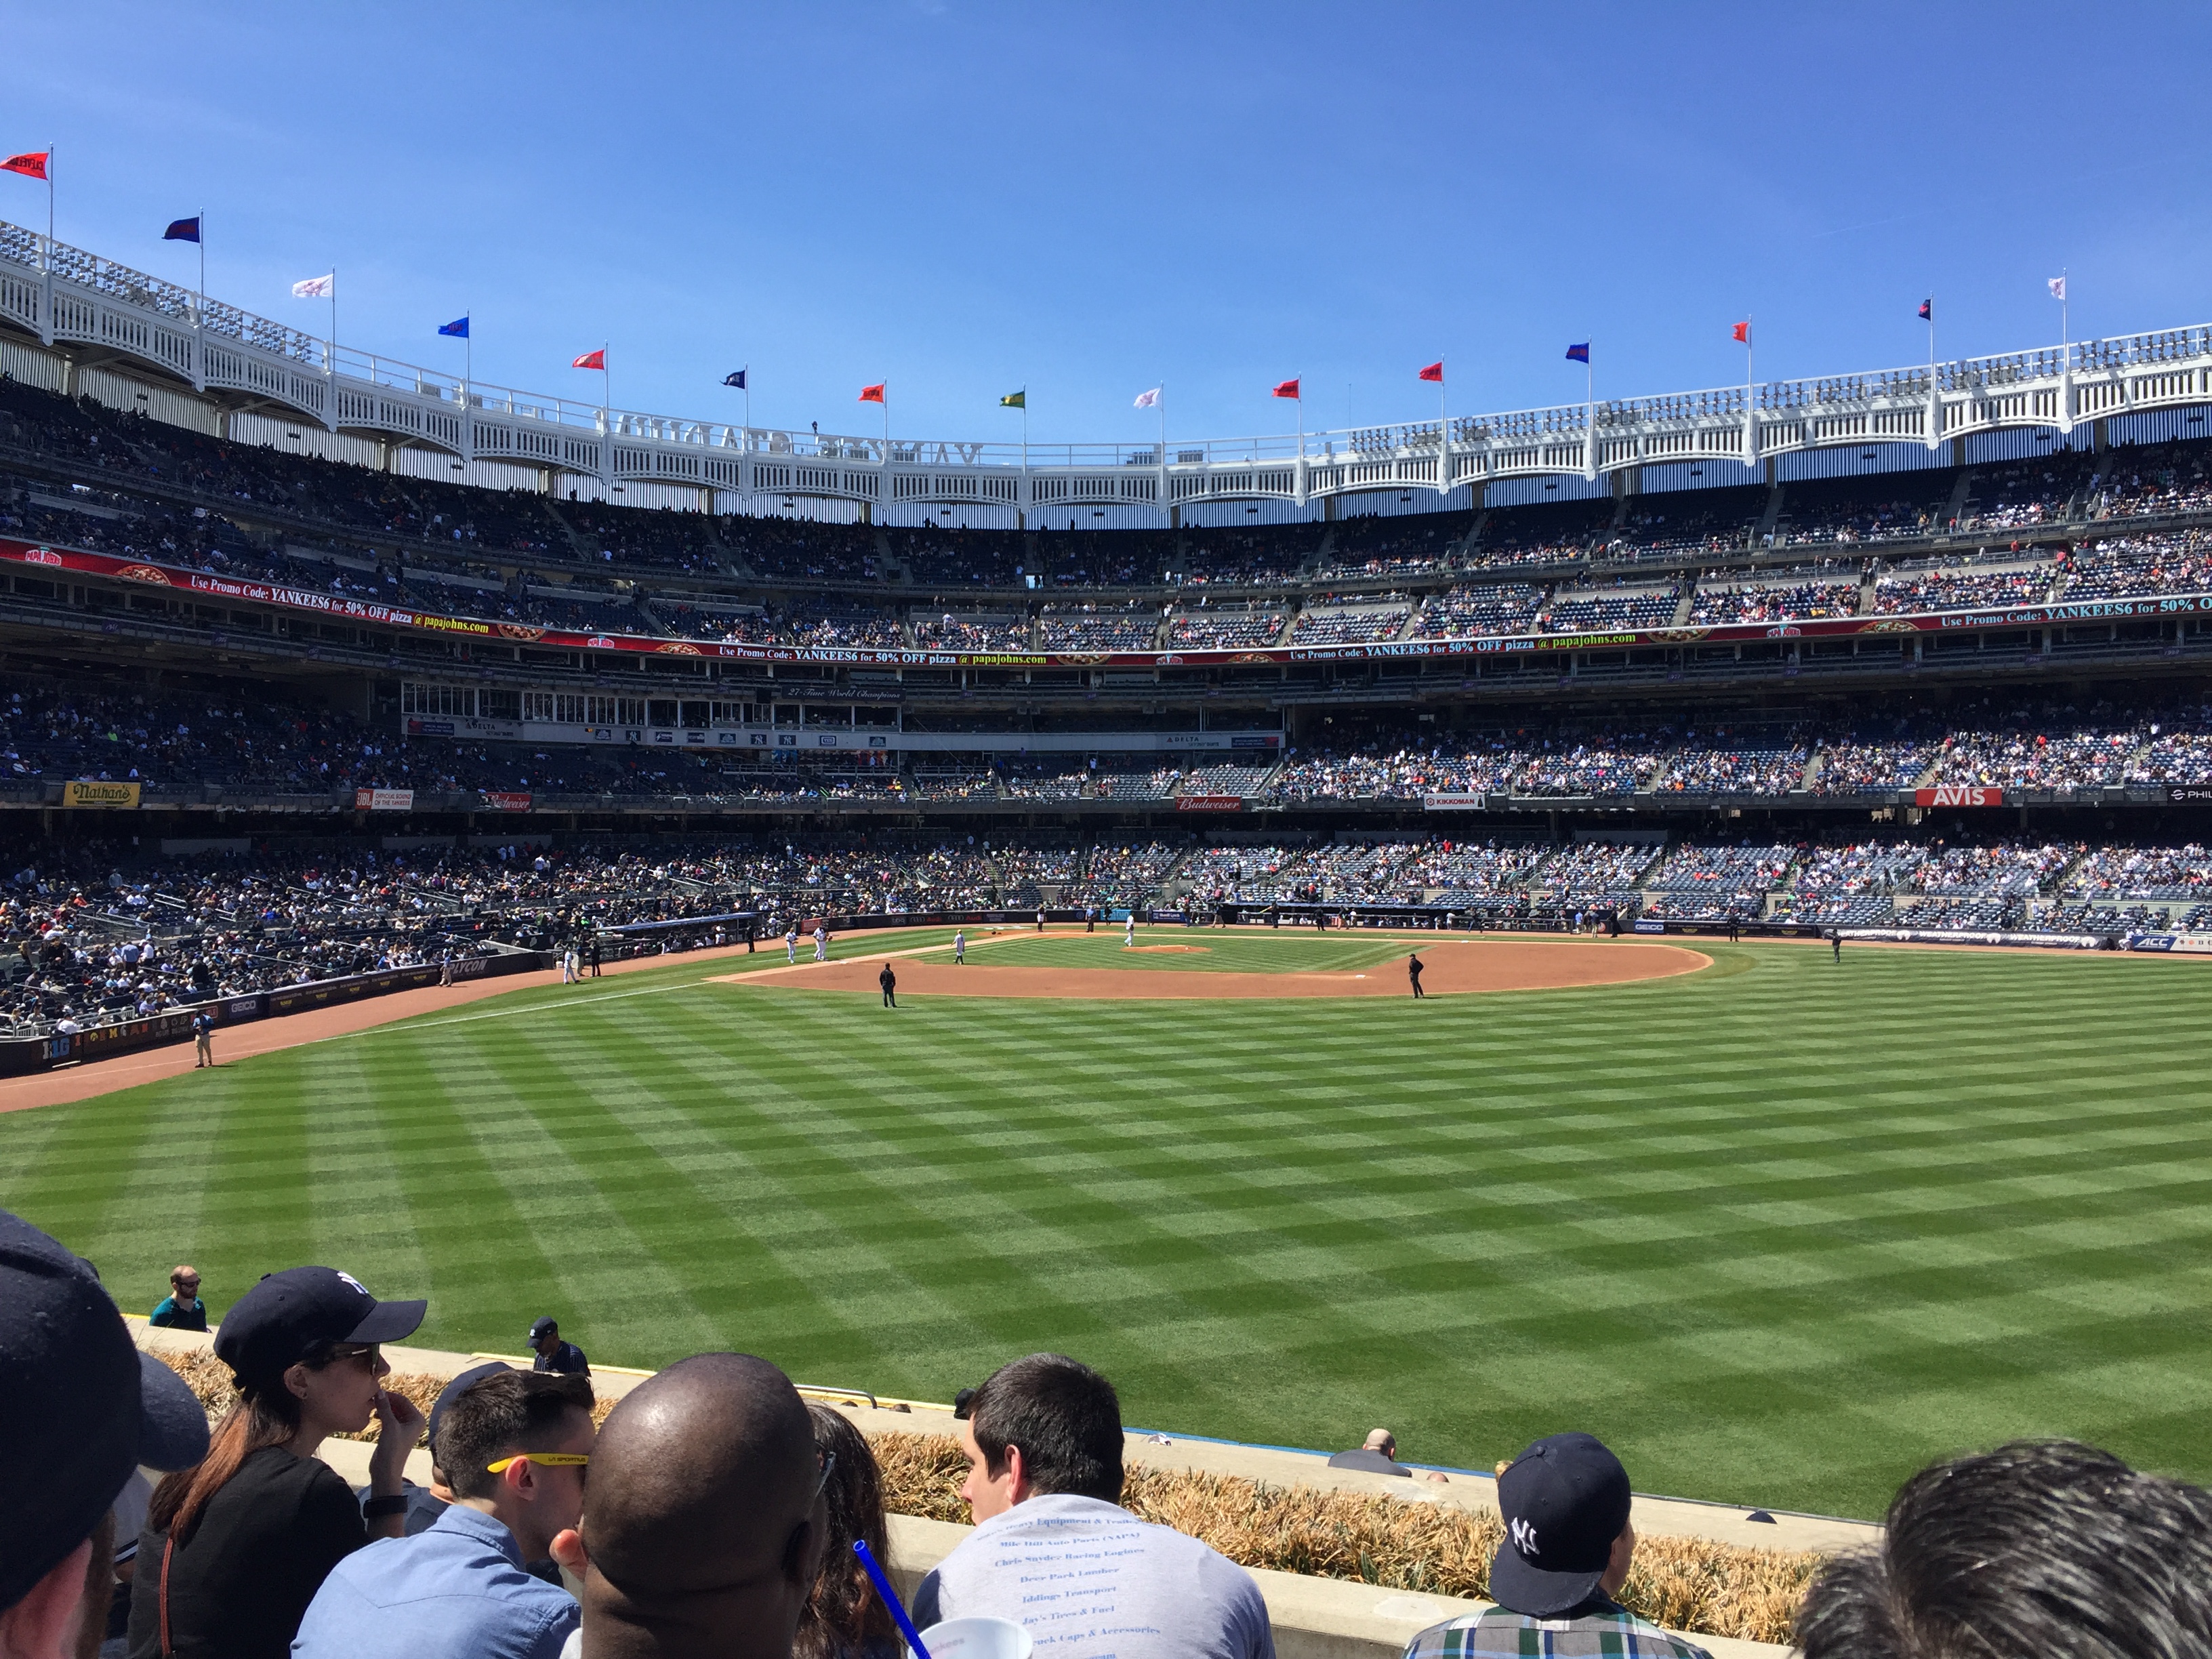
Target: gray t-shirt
{"points": [[1090, 1581]]}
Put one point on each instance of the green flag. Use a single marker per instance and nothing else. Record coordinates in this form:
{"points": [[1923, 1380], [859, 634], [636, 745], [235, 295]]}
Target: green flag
{"points": [[1015, 400]]}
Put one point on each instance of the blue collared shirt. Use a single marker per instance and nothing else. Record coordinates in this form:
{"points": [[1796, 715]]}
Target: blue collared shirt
{"points": [[457, 1591]]}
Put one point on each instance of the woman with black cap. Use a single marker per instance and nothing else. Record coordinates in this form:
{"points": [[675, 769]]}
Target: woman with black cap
{"points": [[236, 1548]]}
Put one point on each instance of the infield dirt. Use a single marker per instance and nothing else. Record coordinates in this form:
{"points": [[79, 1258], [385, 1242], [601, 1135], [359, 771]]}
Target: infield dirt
{"points": [[1451, 967]]}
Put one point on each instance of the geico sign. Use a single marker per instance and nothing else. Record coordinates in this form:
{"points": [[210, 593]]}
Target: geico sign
{"points": [[1958, 794]]}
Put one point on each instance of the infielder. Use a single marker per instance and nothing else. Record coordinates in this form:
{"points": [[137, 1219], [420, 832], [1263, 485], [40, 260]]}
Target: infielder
{"points": [[959, 946], [1129, 930], [821, 943], [791, 943]]}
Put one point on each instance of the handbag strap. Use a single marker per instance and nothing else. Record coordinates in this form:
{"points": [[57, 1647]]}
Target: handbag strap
{"points": [[168, 1549]]}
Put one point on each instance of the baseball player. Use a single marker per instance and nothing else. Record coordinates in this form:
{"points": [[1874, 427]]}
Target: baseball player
{"points": [[959, 946], [791, 943], [1129, 930], [821, 943]]}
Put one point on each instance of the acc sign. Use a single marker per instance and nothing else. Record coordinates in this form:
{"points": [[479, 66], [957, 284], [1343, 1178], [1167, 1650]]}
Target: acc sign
{"points": [[1958, 794]]}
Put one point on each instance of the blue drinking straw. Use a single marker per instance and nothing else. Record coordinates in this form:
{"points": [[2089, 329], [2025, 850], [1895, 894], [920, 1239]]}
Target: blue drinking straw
{"points": [[890, 1598]]}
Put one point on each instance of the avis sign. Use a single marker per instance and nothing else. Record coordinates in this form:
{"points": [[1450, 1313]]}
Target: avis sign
{"points": [[1958, 794]]}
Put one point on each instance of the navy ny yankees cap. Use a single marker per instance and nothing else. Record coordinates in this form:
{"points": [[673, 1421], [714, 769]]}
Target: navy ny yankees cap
{"points": [[1564, 1500]]}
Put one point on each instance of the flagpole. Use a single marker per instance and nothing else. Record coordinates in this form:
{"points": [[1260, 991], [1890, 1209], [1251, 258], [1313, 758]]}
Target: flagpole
{"points": [[334, 325], [202, 318]]}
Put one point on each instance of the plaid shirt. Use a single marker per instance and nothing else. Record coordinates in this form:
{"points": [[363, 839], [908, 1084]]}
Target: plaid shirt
{"points": [[1603, 1631]]}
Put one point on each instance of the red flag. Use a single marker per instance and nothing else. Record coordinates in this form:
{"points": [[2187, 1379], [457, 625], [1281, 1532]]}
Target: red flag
{"points": [[32, 163], [1433, 372], [1287, 389], [1741, 334], [872, 394], [592, 360]]}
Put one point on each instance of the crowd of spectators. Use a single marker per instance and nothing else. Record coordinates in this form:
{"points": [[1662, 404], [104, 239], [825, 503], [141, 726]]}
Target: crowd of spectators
{"points": [[1495, 608], [1581, 611], [1774, 598], [1904, 593], [1325, 624], [2121, 567], [1092, 626]]}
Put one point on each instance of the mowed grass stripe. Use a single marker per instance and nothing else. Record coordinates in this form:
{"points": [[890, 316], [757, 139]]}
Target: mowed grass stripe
{"points": [[1781, 1228]]}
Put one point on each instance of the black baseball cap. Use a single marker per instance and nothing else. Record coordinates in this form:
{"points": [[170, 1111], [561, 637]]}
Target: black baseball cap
{"points": [[279, 1322], [1564, 1500], [84, 1406], [454, 1389], [542, 1324]]}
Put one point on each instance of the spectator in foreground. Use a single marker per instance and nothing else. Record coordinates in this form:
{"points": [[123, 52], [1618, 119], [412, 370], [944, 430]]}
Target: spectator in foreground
{"points": [[1565, 1554], [182, 1309], [704, 1523], [426, 1504], [88, 1410], [1044, 1439], [2037, 1547], [513, 1447], [1378, 1457], [553, 1354], [845, 1618], [236, 1548]]}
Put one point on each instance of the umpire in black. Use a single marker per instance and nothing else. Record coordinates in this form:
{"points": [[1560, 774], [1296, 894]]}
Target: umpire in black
{"points": [[889, 980]]}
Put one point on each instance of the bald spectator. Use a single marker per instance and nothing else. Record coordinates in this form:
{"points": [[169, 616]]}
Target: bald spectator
{"points": [[182, 1309], [704, 1526], [1378, 1457]]}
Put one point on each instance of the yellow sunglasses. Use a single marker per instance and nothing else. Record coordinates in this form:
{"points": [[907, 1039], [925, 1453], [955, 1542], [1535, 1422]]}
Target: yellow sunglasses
{"points": [[545, 1460]]}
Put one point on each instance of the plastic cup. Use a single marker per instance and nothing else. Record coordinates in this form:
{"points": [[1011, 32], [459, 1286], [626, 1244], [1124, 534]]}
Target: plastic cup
{"points": [[977, 1639]]}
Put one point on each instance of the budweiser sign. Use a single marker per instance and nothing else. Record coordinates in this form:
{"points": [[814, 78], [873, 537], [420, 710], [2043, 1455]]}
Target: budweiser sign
{"points": [[1209, 803], [504, 801], [1958, 794]]}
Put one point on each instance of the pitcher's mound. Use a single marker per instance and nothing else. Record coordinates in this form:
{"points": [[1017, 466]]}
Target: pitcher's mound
{"points": [[1451, 967]]}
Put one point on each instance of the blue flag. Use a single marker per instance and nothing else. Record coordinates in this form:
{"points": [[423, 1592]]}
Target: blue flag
{"points": [[737, 380], [459, 328], [1578, 354], [183, 230]]}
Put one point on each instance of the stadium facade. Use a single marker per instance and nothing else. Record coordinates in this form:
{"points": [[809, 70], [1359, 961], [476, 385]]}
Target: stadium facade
{"points": [[1873, 546]]}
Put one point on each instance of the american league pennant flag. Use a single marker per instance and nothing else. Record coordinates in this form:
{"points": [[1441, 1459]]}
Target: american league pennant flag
{"points": [[316, 288]]}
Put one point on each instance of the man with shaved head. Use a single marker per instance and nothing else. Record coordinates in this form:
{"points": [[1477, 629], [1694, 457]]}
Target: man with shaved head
{"points": [[703, 1524]]}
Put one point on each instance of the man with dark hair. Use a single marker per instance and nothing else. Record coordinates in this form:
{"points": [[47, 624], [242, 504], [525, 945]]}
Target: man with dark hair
{"points": [[1052, 1548], [1413, 966], [889, 980], [513, 1447], [1565, 1554], [2037, 1547], [554, 1354], [704, 1524]]}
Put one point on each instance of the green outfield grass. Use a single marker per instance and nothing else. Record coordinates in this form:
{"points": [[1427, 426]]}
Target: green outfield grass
{"points": [[1780, 1231]]}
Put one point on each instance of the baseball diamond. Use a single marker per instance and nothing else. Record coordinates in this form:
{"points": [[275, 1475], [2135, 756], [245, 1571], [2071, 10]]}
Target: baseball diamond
{"points": [[1786, 1227]]}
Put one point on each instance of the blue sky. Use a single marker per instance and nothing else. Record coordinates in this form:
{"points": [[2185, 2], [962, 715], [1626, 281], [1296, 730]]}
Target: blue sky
{"points": [[964, 199]]}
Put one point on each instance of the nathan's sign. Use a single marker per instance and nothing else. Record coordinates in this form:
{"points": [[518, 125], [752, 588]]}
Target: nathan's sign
{"points": [[85, 792], [334, 607], [1958, 794], [384, 800]]}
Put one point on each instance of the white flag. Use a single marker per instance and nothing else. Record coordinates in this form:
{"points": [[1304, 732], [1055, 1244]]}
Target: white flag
{"points": [[316, 288], [2057, 287], [1148, 400]]}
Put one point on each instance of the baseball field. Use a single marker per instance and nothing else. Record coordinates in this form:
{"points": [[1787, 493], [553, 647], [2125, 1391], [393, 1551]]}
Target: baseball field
{"points": [[1778, 1228]]}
